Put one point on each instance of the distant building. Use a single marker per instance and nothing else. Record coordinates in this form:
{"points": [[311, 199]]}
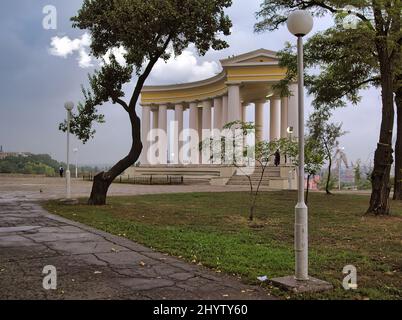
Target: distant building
{"points": [[4, 155], [313, 183]]}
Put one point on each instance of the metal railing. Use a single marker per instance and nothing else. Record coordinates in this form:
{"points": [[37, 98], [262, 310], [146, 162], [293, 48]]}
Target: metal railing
{"points": [[143, 180]]}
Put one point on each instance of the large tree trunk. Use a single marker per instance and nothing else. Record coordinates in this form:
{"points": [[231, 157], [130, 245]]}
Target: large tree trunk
{"points": [[103, 180], [398, 147], [308, 188], [380, 178]]}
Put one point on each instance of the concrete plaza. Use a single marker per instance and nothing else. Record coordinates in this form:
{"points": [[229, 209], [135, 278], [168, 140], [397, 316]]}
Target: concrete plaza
{"points": [[92, 264]]}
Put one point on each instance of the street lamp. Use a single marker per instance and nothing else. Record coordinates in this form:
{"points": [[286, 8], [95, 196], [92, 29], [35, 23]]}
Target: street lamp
{"points": [[75, 150], [300, 23], [69, 107]]}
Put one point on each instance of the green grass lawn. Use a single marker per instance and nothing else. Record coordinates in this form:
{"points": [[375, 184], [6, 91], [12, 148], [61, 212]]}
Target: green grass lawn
{"points": [[212, 229]]}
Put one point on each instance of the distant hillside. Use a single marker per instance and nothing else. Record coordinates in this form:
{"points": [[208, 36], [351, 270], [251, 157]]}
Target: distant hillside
{"points": [[30, 164], [34, 164]]}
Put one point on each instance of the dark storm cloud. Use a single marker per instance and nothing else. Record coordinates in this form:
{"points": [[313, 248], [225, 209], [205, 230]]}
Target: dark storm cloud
{"points": [[34, 84]]}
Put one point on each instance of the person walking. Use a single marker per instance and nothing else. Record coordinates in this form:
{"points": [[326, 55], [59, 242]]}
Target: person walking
{"points": [[61, 172], [277, 160]]}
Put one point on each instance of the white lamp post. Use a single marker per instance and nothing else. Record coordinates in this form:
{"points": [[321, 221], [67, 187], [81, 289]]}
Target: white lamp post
{"points": [[69, 107], [300, 23], [75, 150]]}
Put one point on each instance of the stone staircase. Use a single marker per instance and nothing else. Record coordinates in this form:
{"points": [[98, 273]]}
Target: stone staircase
{"points": [[271, 174], [276, 178], [201, 174]]}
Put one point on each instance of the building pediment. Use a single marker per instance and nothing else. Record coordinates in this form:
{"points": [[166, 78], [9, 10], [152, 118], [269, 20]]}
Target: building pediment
{"points": [[257, 57]]}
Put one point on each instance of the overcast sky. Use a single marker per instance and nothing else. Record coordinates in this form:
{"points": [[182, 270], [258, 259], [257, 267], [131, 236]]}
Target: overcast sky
{"points": [[41, 69]]}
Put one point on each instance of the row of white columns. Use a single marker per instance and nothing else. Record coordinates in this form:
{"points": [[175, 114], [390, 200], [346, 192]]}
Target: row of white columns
{"points": [[228, 108]]}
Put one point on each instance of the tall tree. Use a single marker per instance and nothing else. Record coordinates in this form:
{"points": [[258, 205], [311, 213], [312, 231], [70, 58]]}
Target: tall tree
{"points": [[398, 144], [146, 31], [350, 60], [326, 134]]}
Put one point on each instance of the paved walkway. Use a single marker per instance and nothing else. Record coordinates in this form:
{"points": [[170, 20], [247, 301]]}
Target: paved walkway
{"points": [[92, 264]]}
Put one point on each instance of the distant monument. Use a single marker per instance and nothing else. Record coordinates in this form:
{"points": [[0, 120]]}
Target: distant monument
{"points": [[339, 157]]}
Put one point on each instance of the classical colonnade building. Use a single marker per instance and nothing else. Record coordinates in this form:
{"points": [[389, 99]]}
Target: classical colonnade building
{"points": [[245, 80]]}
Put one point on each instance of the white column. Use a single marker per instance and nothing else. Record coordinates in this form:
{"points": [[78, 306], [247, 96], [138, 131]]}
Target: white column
{"points": [[193, 117], [145, 129], [199, 132], [244, 112], [163, 141], [293, 113], [193, 125], [206, 115], [154, 127], [199, 126], [244, 119], [284, 117], [259, 121], [218, 113], [206, 123], [275, 119], [155, 120], [225, 110], [178, 136], [234, 103]]}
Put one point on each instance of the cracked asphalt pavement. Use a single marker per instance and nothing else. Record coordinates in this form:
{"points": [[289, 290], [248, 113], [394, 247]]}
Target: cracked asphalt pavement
{"points": [[93, 264]]}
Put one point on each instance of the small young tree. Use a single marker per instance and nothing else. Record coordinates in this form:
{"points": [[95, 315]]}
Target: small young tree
{"points": [[145, 30], [357, 172], [326, 134], [229, 148], [314, 157]]}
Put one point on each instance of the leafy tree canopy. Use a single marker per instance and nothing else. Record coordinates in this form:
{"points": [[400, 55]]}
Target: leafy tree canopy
{"points": [[323, 131], [347, 57], [143, 30], [352, 56]]}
